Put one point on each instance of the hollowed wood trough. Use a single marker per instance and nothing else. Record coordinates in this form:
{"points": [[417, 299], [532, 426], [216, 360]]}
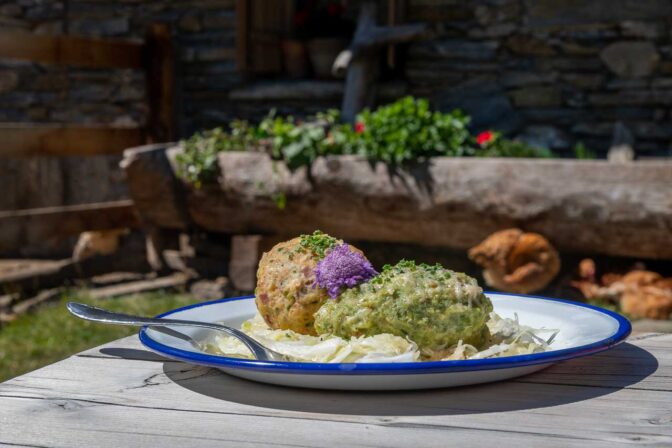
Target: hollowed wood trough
{"points": [[582, 206]]}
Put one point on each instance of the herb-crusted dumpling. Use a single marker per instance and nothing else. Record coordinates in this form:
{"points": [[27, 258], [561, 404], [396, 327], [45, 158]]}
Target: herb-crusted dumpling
{"points": [[433, 306], [288, 293]]}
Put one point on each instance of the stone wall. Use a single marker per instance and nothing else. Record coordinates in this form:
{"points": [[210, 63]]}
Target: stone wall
{"points": [[556, 71], [553, 71], [204, 36]]}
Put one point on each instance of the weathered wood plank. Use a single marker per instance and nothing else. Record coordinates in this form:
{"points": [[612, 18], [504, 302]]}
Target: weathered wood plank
{"points": [[41, 297], [127, 258], [32, 182], [120, 394], [37, 182], [160, 81], [171, 281], [50, 225], [242, 35], [125, 426], [81, 51], [45, 139], [595, 426]]}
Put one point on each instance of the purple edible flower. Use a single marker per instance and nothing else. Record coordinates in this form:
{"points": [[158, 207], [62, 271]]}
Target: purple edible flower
{"points": [[342, 268]]}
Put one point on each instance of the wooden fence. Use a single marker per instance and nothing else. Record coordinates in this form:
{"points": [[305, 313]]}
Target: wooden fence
{"points": [[155, 57]]}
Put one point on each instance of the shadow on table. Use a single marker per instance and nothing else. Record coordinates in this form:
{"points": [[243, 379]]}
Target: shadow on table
{"points": [[132, 353], [568, 382]]}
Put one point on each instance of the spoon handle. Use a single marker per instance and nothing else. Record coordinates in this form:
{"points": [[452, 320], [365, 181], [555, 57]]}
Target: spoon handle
{"points": [[92, 313]]}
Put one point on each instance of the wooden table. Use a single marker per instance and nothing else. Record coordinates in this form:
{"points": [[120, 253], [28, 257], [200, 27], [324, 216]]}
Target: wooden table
{"points": [[120, 395]]}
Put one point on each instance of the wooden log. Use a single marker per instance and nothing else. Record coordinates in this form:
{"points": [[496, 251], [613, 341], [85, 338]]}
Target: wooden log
{"points": [[129, 258], [361, 64], [177, 280], [581, 206], [41, 297], [51, 224], [33, 139], [150, 171], [81, 51], [361, 61]]}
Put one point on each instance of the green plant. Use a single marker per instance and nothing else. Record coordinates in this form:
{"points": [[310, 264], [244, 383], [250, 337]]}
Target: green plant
{"points": [[582, 152], [197, 163], [401, 132], [408, 130], [492, 144], [299, 143], [280, 200]]}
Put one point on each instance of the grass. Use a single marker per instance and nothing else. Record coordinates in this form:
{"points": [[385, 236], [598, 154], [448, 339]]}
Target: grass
{"points": [[51, 333]]}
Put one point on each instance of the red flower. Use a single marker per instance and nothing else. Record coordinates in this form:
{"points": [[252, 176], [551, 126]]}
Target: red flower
{"points": [[359, 127], [485, 137]]}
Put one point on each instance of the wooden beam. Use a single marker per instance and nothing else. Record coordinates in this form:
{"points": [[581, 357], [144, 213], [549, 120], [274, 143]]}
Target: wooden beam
{"points": [[52, 224], [129, 258], [360, 59], [160, 80], [77, 218], [242, 33], [33, 139], [391, 21], [81, 51]]}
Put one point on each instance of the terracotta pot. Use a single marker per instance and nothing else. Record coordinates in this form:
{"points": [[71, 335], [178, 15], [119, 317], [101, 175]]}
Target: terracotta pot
{"points": [[323, 52], [295, 58]]}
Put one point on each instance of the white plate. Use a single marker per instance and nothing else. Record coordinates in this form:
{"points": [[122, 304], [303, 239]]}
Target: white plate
{"points": [[584, 330]]}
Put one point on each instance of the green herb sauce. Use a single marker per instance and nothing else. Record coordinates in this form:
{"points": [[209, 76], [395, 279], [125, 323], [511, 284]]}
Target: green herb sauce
{"points": [[433, 306]]}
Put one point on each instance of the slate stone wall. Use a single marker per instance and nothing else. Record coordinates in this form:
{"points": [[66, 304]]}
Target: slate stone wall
{"points": [[204, 35], [552, 71]]}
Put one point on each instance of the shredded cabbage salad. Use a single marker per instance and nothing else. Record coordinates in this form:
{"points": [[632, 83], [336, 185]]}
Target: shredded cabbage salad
{"points": [[508, 338]]}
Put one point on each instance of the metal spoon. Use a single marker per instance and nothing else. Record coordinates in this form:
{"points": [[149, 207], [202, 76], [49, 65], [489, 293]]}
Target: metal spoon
{"points": [[88, 312]]}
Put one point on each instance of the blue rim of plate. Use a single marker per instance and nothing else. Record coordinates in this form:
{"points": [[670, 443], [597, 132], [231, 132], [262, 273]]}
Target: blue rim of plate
{"points": [[402, 368]]}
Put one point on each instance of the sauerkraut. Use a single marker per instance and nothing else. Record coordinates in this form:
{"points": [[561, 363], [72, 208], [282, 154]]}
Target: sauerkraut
{"points": [[507, 338]]}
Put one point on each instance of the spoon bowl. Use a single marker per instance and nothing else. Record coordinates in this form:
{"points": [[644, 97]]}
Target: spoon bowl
{"points": [[88, 312]]}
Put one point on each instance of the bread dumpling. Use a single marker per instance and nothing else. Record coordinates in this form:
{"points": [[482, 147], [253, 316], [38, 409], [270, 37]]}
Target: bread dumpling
{"points": [[433, 306], [287, 293]]}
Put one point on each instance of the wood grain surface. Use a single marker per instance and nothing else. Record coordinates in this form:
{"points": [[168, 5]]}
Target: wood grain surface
{"points": [[74, 50], [50, 225], [120, 394], [48, 139]]}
